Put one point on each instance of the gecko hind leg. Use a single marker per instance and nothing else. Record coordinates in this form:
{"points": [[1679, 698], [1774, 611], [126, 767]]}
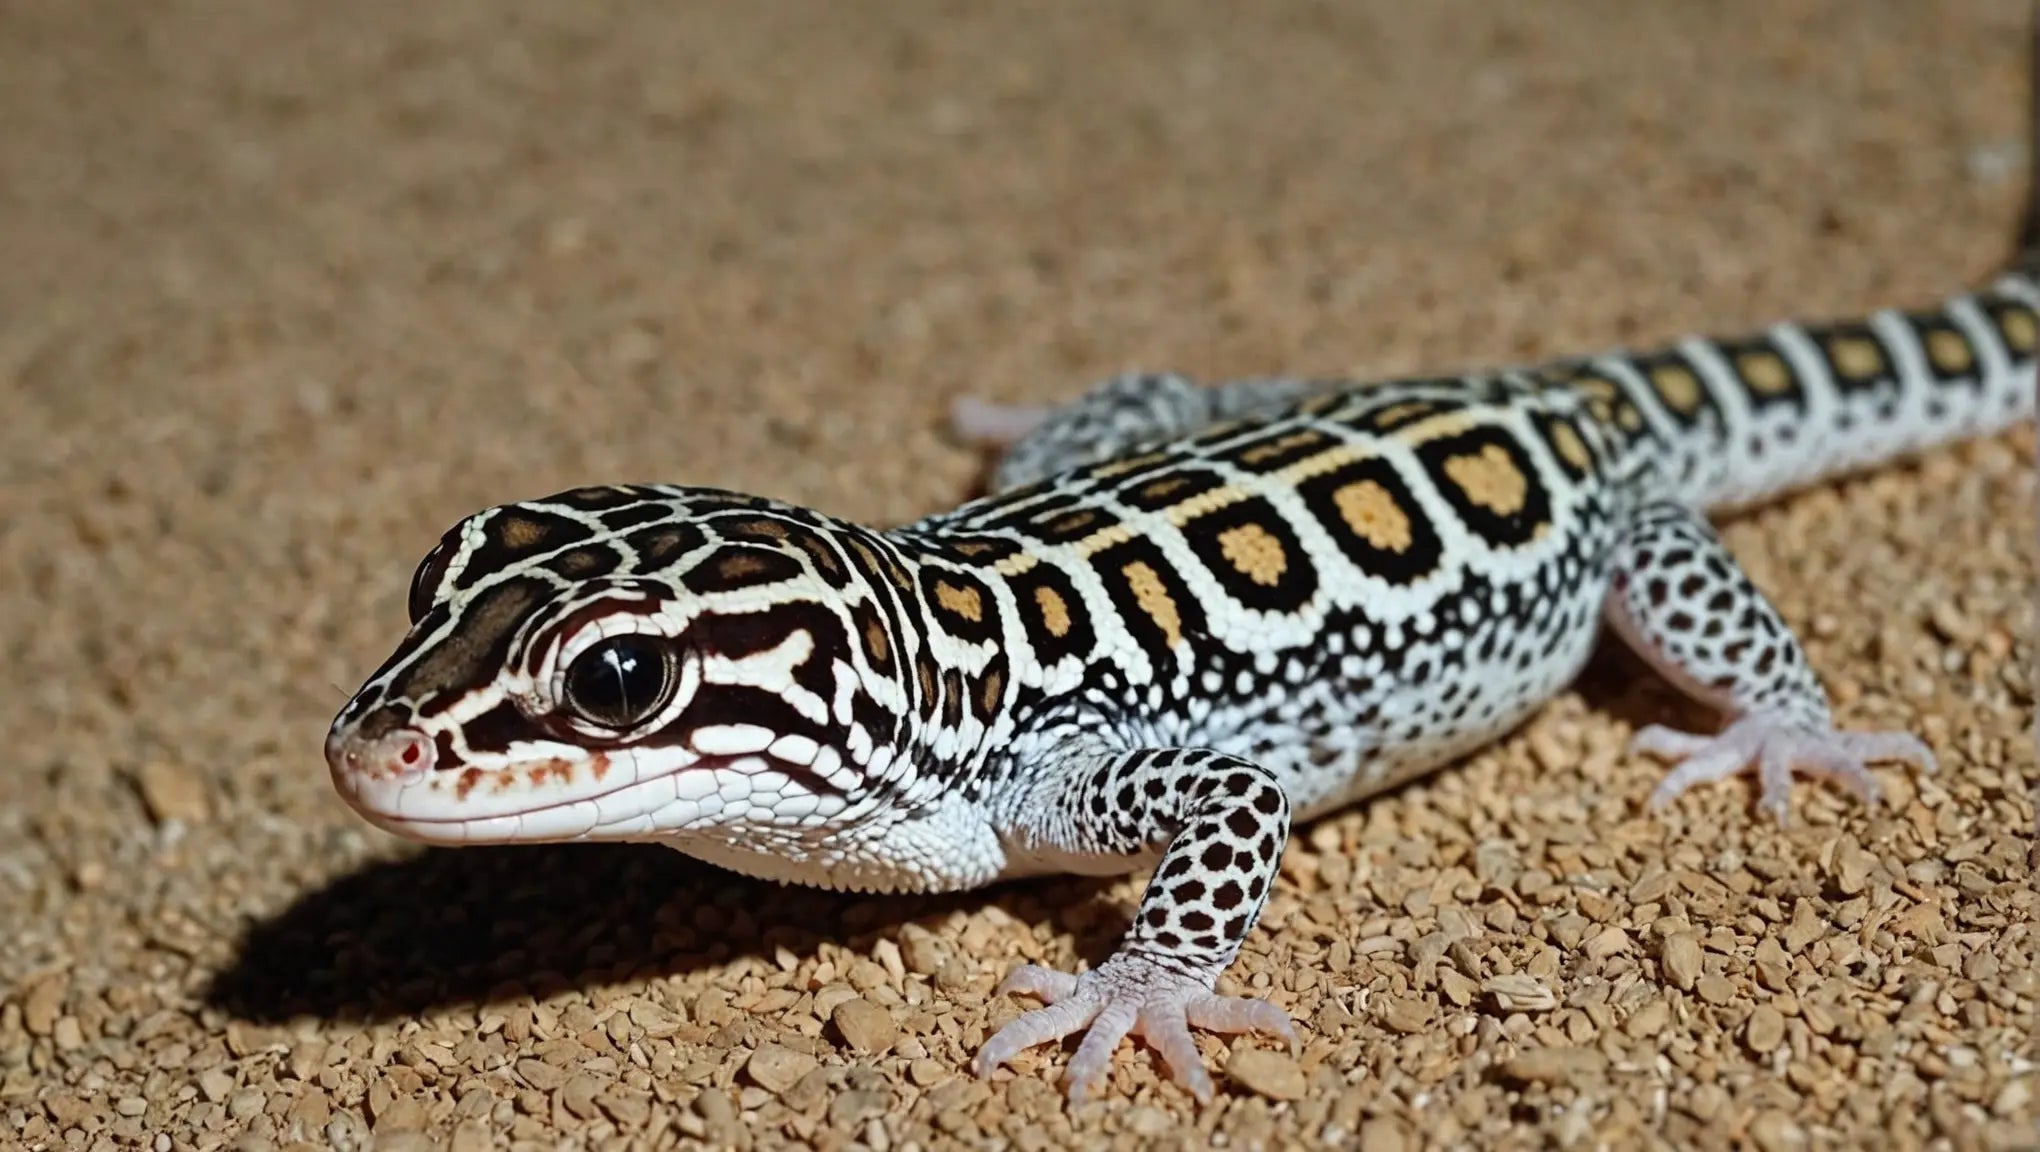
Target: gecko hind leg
{"points": [[1680, 600]]}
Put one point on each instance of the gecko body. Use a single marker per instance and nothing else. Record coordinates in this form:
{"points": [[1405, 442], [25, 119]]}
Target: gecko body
{"points": [[1184, 619]]}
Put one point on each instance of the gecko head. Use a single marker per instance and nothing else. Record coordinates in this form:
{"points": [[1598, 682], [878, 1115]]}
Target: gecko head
{"points": [[617, 664]]}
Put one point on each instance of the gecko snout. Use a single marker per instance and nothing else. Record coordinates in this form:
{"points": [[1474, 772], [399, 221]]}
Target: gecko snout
{"points": [[395, 754]]}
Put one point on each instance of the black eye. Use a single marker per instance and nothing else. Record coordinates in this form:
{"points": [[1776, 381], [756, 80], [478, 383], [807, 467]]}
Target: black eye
{"points": [[619, 683], [425, 581]]}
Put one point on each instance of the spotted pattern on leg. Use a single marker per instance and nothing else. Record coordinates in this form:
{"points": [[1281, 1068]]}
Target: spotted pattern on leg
{"points": [[1221, 823], [1680, 600]]}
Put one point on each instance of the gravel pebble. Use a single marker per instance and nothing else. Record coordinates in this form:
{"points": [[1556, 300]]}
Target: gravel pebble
{"points": [[865, 1026], [777, 1069], [1275, 1075]]}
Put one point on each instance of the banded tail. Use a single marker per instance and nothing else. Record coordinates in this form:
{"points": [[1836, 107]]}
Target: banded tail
{"points": [[1741, 420]]}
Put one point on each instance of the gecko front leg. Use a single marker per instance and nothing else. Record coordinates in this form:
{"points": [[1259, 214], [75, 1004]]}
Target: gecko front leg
{"points": [[1220, 824], [1680, 601]]}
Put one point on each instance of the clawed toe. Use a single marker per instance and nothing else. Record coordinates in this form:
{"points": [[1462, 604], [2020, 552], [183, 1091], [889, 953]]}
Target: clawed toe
{"points": [[1777, 748], [1126, 995]]}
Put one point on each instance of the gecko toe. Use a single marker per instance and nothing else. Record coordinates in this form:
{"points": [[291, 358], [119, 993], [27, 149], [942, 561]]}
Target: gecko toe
{"points": [[1779, 748], [1128, 994]]}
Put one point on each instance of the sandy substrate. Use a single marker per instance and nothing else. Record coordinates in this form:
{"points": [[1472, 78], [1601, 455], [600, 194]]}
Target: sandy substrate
{"points": [[288, 288]]}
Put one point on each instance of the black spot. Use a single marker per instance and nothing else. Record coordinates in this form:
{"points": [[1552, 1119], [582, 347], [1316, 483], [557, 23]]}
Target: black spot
{"points": [[1506, 528], [1156, 916], [1197, 921], [1282, 445], [961, 603], [1153, 493], [600, 498], [659, 546], [630, 516], [1393, 541], [1217, 858], [1241, 823], [517, 532], [1187, 892], [1281, 580], [1168, 940], [740, 566], [1268, 801], [1228, 896]]}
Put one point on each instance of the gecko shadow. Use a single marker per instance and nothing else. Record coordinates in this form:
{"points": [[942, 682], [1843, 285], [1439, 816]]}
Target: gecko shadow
{"points": [[451, 927]]}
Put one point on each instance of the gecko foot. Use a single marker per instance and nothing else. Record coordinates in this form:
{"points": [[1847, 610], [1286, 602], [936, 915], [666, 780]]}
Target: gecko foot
{"points": [[1126, 995], [999, 425], [1777, 747]]}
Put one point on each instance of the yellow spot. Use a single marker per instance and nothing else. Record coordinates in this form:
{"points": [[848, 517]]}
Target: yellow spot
{"points": [[1130, 464], [1257, 554], [1072, 523], [2018, 329], [974, 548], [1765, 373], [1156, 491], [739, 566], [1207, 501], [520, 534], [1275, 448], [1491, 480], [1628, 417], [1017, 564], [1677, 386], [1949, 351], [1407, 410], [1104, 538], [1055, 613], [876, 645], [1153, 597], [965, 602], [1856, 357], [1570, 447], [1372, 514], [991, 690], [580, 562], [770, 529], [1595, 387]]}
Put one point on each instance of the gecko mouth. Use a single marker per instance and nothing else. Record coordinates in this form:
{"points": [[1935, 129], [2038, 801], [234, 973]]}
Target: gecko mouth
{"points": [[604, 796]]}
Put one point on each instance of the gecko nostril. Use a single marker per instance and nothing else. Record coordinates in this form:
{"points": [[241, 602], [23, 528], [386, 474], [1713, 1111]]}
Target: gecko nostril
{"points": [[406, 752]]}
